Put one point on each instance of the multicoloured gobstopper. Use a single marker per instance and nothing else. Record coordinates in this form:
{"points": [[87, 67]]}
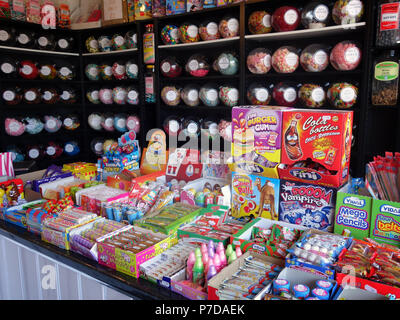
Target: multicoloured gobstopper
{"points": [[71, 148], [229, 96], [347, 11], [108, 123], [208, 30], [170, 67], [197, 66], [71, 122], [342, 95], [119, 71], [260, 22], [229, 27], [120, 123], [133, 123], [258, 94], [170, 34], [285, 18], [226, 64], [190, 95], [92, 72], [285, 60], [92, 45], [346, 56], [33, 125], [259, 61], [106, 95], [315, 58], [285, 94], [119, 95], [105, 44], [132, 95], [28, 70], [131, 39], [209, 95], [132, 69], [118, 42], [52, 123], [95, 120], [93, 96], [171, 95], [47, 72], [312, 95], [188, 33], [106, 71]]}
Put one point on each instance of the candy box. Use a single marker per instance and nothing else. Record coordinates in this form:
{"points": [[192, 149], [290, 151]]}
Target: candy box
{"points": [[316, 146], [185, 290], [391, 292], [127, 179], [11, 193], [184, 165], [5, 11], [169, 219], [17, 215], [385, 222], [175, 6], [243, 238], [294, 262], [254, 196], [353, 213], [256, 139], [58, 188], [228, 271], [312, 206], [126, 261]]}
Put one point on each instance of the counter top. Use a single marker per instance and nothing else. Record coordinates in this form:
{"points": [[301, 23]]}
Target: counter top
{"points": [[132, 287]]}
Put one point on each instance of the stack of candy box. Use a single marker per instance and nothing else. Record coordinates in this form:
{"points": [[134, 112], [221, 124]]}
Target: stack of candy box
{"points": [[126, 249]]}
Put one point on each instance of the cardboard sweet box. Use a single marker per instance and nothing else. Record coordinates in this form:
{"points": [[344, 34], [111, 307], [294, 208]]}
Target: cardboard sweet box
{"points": [[312, 206], [254, 196], [316, 146], [17, 215], [257, 139], [184, 165], [11, 194], [124, 155]]}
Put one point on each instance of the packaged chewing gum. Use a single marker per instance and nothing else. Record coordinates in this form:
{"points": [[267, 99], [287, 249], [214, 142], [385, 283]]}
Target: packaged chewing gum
{"points": [[252, 261], [227, 294]]}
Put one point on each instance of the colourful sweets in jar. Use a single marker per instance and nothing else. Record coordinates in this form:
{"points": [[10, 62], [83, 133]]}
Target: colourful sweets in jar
{"points": [[170, 34], [197, 66], [286, 18], [259, 61], [312, 95], [314, 58], [229, 96], [342, 95], [258, 94], [347, 11], [345, 56], [171, 95], [285, 60], [285, 94], [170, 67], [229, 27], [208, 30], [188, 33], [259, 22]]}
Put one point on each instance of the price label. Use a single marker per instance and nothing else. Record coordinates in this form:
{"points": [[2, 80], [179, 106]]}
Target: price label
{"points": [[291, 17], [352, 55], [212, 28], [318, 94], [8, 95], [347, 94], [166, 67]]}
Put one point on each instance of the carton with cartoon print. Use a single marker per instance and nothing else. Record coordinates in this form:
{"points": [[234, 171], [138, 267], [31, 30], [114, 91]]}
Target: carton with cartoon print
{"points": [[256, 139], [311, 206], [254, 196], [385, 222]]}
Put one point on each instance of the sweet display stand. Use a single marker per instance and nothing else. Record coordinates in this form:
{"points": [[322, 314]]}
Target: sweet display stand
{"points": [[366, 118]]}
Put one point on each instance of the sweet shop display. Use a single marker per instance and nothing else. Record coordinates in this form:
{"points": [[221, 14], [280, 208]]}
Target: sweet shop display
{"points": [[188, 33], [342, 95], [285, 60], [171, 95], [106, 71], [208, 30], [170, 67], [226, 64], [345, 56], [314, 58], [170, 35], [229, 96], [259, 61], [228, 27], [347, 11], [190, 95], [92, 72], [197, 66], [209, 95], [119, 71], [285, 94], [92, 45]]}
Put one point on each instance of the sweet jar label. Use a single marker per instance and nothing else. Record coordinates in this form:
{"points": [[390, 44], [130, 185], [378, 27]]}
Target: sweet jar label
{"points": [[45, 71], [233, 25], [266, 21], [354, 8], [193, 65], [352, 55], [289, 94], [389, 16], [119, 41], [98, 146], [62, 43], [228, 131], [166, 67], [212, 95], [291, 59], [105, 42], [262, 95], [33, 153], [212, 28], [320, 57], [43, 41], [171, 95], [6, 68], [131, 124], [68, 122], [23, 38], [192, 128], [223, 63], [51, 124], [121, 123], [213, 129], [93, 71], [318, 94], [347, 94], [267, 61], [107, 95], [133, 68], [134, 37], [51, 151], [65, 95], [14, 127], [109, 122], [94, 44], [108, 71], [120, 70], [321, 12], [174, 34], [69, 148], [65, 71], [233, 94], [120, 95], [95, 95], [27, 69], [3, 35], [132, 95], [386, 71], [290, 16], [193, 95], [173, 126], [47, 95], [8, 95], [192, 31], [30, 95]]}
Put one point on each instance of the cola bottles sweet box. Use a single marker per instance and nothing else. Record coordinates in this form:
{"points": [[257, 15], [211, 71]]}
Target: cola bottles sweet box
{"points": [[316, 146]]}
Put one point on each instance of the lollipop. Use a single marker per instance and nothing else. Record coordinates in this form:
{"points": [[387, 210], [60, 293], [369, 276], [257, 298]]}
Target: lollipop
{"points": [[259, 61], [259, 22]]}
